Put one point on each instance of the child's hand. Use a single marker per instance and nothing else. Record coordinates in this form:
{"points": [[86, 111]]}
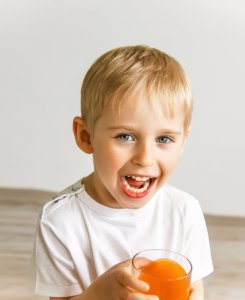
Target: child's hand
{"points": [[197, 292], [118, 283]]}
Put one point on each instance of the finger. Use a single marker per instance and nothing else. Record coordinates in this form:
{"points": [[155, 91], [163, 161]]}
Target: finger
{"points": [[123, 264], [195, 296], [140, 296], [125, 278], [138, 263]]}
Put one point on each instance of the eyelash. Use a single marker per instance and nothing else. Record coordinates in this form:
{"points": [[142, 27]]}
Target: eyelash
{"points": [[169, 140], [124, 137]]}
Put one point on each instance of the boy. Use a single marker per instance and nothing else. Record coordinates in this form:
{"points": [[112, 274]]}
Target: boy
{"points": [[136, 109]]}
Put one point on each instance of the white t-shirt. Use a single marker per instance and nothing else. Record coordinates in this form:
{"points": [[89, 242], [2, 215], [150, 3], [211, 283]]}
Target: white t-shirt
{"points": [[78, 239]]}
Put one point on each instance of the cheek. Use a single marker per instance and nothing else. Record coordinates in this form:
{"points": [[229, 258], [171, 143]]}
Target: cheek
{"points": [[116, 160], [107, 159], [170, 161]]}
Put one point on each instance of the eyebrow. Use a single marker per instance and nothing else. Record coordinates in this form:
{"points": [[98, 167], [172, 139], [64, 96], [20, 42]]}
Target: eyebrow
{"points": [[128, 128], [120, 127]]}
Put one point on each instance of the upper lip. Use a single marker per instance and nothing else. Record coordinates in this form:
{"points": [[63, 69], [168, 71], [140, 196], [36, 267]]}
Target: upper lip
{"points": [[140, 176]]}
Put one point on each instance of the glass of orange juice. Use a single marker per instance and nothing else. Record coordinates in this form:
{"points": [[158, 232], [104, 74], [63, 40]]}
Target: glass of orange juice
{"points": [[168, 273]]}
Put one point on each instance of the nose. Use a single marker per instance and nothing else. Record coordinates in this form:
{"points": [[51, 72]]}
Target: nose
{"points": [[144, 155]]}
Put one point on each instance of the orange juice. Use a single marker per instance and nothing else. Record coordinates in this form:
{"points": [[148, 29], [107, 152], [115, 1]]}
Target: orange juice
{"points": [[167, 279]]}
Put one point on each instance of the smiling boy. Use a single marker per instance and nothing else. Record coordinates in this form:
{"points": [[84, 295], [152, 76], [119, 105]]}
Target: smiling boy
{"points": [[136, 111], [134, 151]]}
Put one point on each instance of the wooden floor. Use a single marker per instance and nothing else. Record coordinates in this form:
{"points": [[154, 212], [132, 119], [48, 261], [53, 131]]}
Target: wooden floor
{"points": [[227, 238], [18, 214]]}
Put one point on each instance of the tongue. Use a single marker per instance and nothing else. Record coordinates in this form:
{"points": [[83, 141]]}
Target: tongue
{"points": [[136, 184]]}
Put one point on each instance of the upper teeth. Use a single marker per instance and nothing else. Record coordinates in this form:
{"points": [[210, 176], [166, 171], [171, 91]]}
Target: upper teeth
{"points": [[137, 178]]}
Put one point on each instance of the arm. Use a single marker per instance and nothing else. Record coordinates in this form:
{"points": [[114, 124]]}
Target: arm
{"points": [[197, 291], [118, 283], [115, 284]]}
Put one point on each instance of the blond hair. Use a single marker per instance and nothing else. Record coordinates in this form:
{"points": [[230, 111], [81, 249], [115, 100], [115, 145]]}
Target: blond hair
{"points": [[122, 71]]}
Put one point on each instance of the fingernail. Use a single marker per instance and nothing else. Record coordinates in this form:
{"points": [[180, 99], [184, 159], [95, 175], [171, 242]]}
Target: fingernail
{"points": [[144, 286], [154, 298]]}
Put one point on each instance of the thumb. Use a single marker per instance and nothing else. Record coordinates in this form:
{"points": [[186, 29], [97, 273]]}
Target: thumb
{"points": [[126, 274]]}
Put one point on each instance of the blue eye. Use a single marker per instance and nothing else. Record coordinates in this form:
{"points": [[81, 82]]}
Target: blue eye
{"points": [[125, 137], [164, 140]]}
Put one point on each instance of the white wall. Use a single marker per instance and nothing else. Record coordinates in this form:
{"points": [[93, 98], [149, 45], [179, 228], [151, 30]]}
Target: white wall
{"points": [[46, 47]]}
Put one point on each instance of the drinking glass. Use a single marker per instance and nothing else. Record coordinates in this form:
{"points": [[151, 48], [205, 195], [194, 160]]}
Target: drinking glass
{"points": [[168, 273]]}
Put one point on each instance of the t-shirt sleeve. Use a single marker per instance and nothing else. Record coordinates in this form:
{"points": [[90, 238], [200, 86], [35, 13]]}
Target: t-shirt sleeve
{"points": [[54, 271], [197, 247]]}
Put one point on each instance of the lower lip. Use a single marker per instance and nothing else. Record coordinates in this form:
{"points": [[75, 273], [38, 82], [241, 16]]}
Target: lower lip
{"points": [[136, 195]]}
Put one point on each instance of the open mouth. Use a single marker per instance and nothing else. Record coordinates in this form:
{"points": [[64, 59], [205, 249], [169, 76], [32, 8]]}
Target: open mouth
{"points": [[136, 186]]}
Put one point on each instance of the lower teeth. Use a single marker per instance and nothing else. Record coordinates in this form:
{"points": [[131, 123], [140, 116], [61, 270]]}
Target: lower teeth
{"points": [[135, 190]]}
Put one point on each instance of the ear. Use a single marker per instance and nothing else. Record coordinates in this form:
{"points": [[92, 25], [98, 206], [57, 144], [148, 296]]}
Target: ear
{"points": [[82, 135]]}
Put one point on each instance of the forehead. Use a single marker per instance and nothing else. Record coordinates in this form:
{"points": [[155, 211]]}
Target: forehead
{"points": [[140, 110], [158, 102]]}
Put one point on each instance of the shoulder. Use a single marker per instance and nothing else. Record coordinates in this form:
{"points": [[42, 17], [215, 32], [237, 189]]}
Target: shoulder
{"points": [[63, 204], [62, 220], [186, 207]]}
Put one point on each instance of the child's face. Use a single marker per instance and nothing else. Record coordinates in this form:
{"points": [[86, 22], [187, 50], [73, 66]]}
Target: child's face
{"points": [[134, 152]]}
